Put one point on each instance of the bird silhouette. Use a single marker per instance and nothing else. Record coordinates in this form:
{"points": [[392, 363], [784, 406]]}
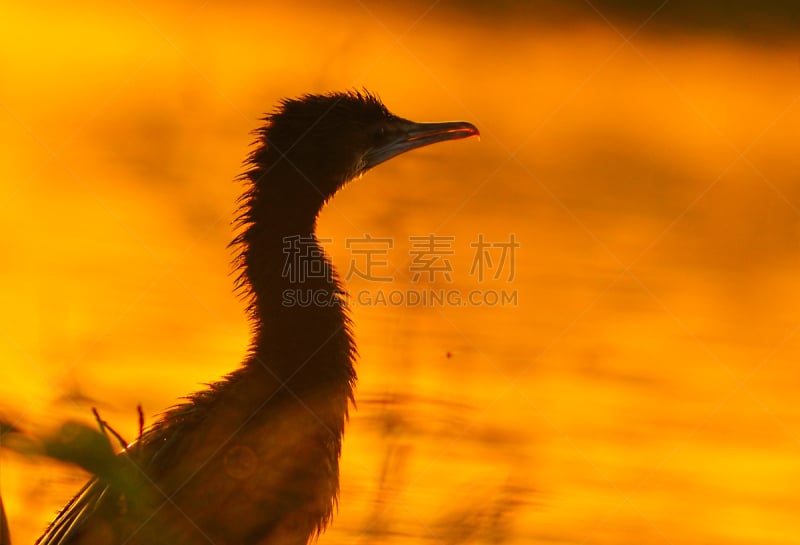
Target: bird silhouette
{"points": [[254, 458]]}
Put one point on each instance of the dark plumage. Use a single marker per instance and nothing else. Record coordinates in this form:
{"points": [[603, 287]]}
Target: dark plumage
{"points": [[253, 459]]}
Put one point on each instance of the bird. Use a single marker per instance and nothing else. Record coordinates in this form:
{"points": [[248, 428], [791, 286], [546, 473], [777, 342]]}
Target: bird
{"points": [[253, 459]]}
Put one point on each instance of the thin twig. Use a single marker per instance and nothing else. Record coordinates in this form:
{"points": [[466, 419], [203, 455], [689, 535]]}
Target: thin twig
{"points": [[106, 427]]}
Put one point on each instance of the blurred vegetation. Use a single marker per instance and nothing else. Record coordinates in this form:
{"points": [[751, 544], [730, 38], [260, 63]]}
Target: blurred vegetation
{"points": [[767, 20]]}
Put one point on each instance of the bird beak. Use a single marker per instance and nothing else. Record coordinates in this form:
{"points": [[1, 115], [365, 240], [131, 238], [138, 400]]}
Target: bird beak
{"points": [[403, 135]]}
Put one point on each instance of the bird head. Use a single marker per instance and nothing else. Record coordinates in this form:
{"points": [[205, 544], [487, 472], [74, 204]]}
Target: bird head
{"points": [[323, 141]]}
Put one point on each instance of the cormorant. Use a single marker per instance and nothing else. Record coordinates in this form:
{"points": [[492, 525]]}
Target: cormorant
{"points": [[254, 458]]}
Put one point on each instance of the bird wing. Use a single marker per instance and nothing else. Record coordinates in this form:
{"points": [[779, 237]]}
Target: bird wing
{"points": [[191, 480], [64, 526], [112, 501]]}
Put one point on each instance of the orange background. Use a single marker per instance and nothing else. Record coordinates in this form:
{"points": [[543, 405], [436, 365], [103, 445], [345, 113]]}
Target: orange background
{"points": [[642, 391]]}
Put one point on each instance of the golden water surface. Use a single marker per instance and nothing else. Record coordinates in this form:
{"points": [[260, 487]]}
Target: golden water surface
{"points": [[641, 386]]}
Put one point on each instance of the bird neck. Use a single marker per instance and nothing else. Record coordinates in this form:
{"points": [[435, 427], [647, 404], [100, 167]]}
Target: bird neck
{"points": [[301, 328]]}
